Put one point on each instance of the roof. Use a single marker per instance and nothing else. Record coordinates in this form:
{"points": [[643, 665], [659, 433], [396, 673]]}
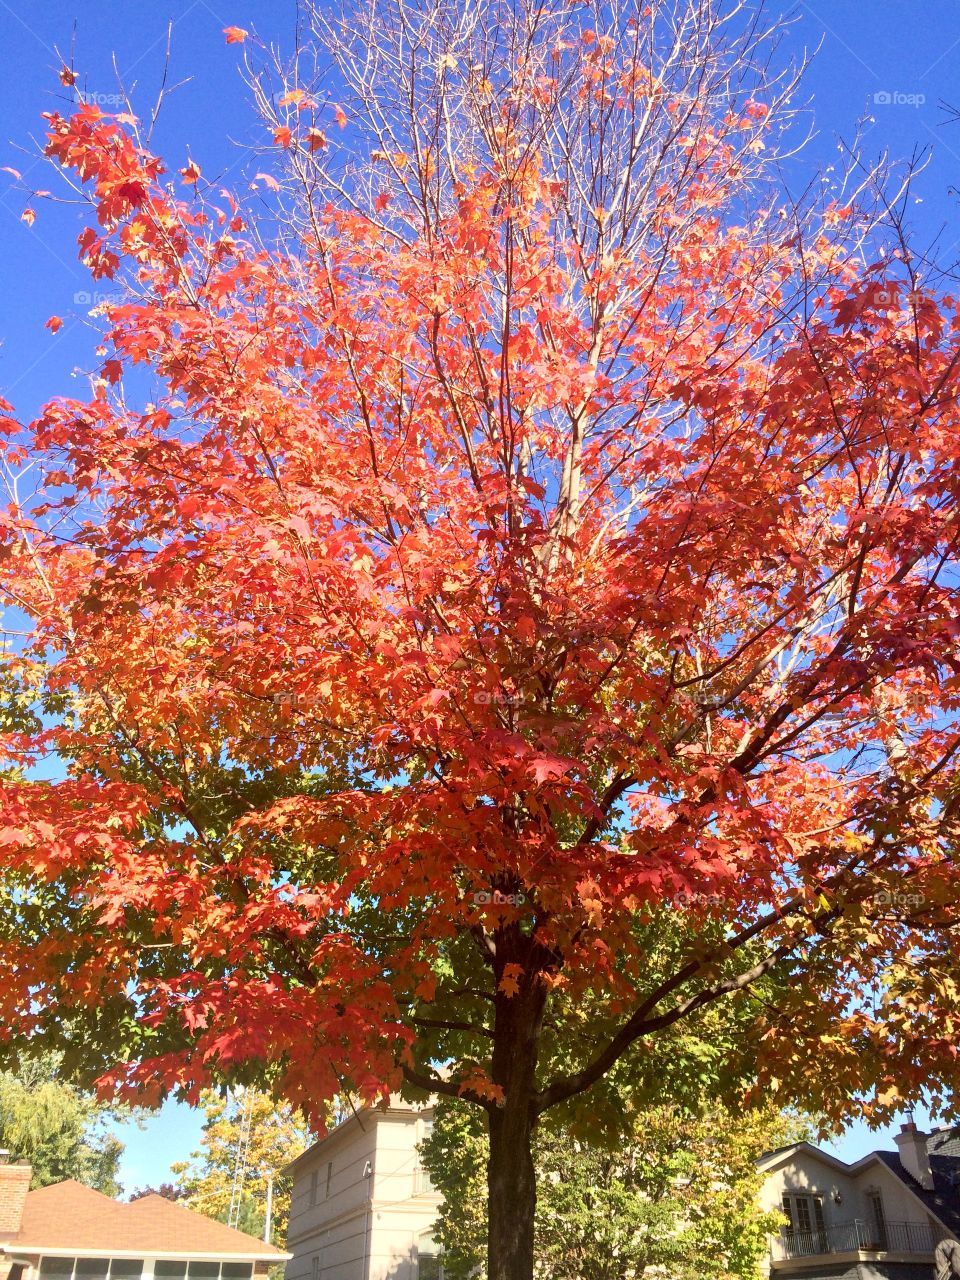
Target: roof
{"points": [[943, 1148], [68, 1217]]}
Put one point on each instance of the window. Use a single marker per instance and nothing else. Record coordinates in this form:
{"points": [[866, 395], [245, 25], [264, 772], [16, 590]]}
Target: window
{"points": [[314, 1183], [92, 1269], [326, 1194], [878, 1223], [429, 1264], [97, 1269], [132, 1269], [421, 1178], [805, 1214], [167, 1269], [126, 1268], [315, 1267]]}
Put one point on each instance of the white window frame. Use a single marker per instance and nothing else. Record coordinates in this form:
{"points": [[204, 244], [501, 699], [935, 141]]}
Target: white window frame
{"points": [[147, 1266]]}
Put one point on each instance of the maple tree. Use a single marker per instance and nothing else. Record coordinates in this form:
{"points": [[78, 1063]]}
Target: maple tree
{"points": [[499, 610]]}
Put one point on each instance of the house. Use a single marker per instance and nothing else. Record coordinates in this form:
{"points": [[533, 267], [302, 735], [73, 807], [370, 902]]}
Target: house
{"points": [[362, 1206], [69, 1232], [880, 1218]]}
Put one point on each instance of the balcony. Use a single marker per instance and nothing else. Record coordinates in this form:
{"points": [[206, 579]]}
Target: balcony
{"points": [[854, 1238]]}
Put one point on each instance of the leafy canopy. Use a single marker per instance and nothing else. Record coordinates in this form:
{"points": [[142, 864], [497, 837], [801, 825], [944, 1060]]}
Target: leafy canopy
{"points": [[277, 1135], [522, 611]]}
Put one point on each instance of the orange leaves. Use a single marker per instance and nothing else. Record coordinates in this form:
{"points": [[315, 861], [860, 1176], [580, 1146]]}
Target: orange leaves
{"points": [[295, 97], [29, 216], [510, 979], [478, 1083], [415, 564], [54, 324], [235, 35]]}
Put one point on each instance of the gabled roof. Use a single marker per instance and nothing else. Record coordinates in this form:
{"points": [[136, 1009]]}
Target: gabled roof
{"points": [[69, 1217]]}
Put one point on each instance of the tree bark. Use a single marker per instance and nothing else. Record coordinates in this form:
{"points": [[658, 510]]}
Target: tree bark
{"points": [[511, 1195], [511, 1178]]}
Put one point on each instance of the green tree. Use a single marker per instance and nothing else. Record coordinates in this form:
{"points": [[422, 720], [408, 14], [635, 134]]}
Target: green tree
{"points": [[60, 1129], [678, 1197], [277, 1135]]}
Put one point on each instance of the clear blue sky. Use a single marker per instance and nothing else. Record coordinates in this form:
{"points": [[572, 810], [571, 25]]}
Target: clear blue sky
{"points": [[908, 51]]}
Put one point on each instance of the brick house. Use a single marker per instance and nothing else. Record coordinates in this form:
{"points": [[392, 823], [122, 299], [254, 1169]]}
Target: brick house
{"points": [[70, 1232]]}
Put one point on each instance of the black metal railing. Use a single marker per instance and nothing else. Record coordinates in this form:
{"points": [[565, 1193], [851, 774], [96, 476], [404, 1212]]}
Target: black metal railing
{"points": [[858, 1237]]}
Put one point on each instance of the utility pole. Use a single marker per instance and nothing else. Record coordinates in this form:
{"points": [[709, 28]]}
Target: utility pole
{"points": [[268, 1224]]}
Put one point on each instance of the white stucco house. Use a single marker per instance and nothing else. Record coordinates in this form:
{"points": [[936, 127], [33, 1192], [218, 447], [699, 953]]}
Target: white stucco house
{"points": [[362, 1207], [880, 1218]]}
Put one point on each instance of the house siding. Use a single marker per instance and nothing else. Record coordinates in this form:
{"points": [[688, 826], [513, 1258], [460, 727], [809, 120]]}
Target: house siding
{"points": [[370, 1225]]}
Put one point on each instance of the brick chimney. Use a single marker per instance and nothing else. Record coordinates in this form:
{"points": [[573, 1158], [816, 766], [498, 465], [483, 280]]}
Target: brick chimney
{"points": [[914, 1156], [14, 1185]]}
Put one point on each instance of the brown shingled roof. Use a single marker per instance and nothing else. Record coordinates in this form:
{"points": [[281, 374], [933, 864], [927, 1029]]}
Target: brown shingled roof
{"points": [[68, 1216]]}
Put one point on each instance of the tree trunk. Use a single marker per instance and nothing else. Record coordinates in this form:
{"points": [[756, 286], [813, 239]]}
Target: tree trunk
{"points": [[511, 1179], [511, 1195]]}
